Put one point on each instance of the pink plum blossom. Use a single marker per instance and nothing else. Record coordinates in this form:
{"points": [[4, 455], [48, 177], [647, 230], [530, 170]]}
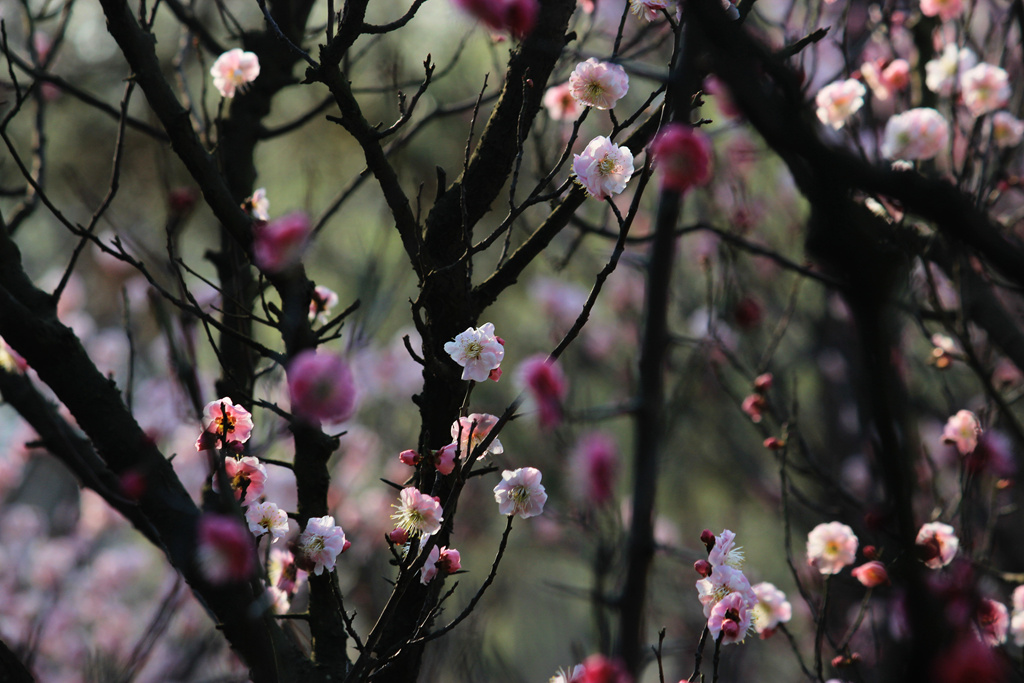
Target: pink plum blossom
{"points": [[830, 547], [520, 493], [962, 429], [321, 303], [234, 70], [993, 622], [267, 518], [939, 544], [279, 244], [244, 474], [838, 101], [598, 84], [871, 574], [478, 351], [444, 560], [225, 551], [320, 543], [224, 419], [884, 81], [603, 168], [444, 460], [418, 513], [984, 88], [546, 383], [258, 205], [594, 464], [724, 580], [944, 9], [560, 103], [683, 155], [915, 134], [942, 73], [1007, 130], [599, 669], [771, 609], [321, 387], [726, 552], [515, 16], [648, 10], [731, 618], [470, 431]]}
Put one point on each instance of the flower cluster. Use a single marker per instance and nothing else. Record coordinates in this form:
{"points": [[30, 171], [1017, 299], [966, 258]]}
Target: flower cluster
{"points": [[725, 593]]}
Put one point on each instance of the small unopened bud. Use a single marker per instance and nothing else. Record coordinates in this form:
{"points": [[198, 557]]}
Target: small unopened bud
{"points": [[762, 383], [494, 375], [730, 629], [708, 539], [399, 536], [409, 457], [870, 552], [702, 567], [348, 544], [774, 444]]}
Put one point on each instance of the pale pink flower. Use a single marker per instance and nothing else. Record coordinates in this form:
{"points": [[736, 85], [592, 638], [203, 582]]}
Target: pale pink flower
{"points": [[683, 156], [470, 431], [444, 461], [1018, 599], [320, 543], [283, 572], [915, 134], [1007, 130], [267, 518], [444, 560], [942, 73], [594, 464], [771, 609], [731, 617], [871, 574], [321, 387], [520, 493], [478, 351], [279, 244], [258, 205], [418, 513], [321, 303], [224, 419], [754, 406], [546, 383], [234, 70], [245, 474], [572, 675], [648, 10], [938, 543], [962, 429], [225, 551], [724, 580], [888, 80], [515, 16], [984, 88], [830, 547], [598, 84], [726, 552], [944, 9], [603, 168], [560, 103], [993, 622], [838, 101]]}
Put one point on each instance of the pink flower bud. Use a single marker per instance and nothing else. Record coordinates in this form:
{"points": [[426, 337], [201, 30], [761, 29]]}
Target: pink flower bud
{"points": [[279, 244], [409, 457], [753, 405], [762, 383], [702, 567], [399, 536], [708, 539], [774, 444], [133, 484], [225, 551], [870, 552], [321, 387], [494, 375], [871, 574]]}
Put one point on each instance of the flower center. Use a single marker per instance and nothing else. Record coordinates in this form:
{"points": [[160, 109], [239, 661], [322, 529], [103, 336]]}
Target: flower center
{"points": [[831, 549], [607, 165], [594, 91], [473, 349]]}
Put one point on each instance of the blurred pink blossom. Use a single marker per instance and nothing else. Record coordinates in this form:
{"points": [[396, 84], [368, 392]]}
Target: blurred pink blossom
{"points": [[520, 493], [937, 543], [283, 572], [838, 101], [478, 351], [599, 669], [594, 464], [515, 16], [598, 84], [321, 303], [984, 88], [603, 168], [1007, 130], [884, 81], [830, 547], [648, 10], [724, 580], [320, 387], [547, 385], [962, 429], [560, 103], [418, 513], [225, 551], [234, 71], [871, 574], [771, 609], [993, 621], [279, 244], [683, 155], [918, 133], [258, 205], [942, 72], [944, 9], [444, 560]]}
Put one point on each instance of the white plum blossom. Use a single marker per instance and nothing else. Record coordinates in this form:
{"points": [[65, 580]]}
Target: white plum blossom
{"points": [[1007, 130], [838, 101], [234, 70], [321, 542], [603, 168], [598, 84], [984, 88], [520, 493], [915, 134], [830, 547], [478, 351], [267, 518], [942, 72]]}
